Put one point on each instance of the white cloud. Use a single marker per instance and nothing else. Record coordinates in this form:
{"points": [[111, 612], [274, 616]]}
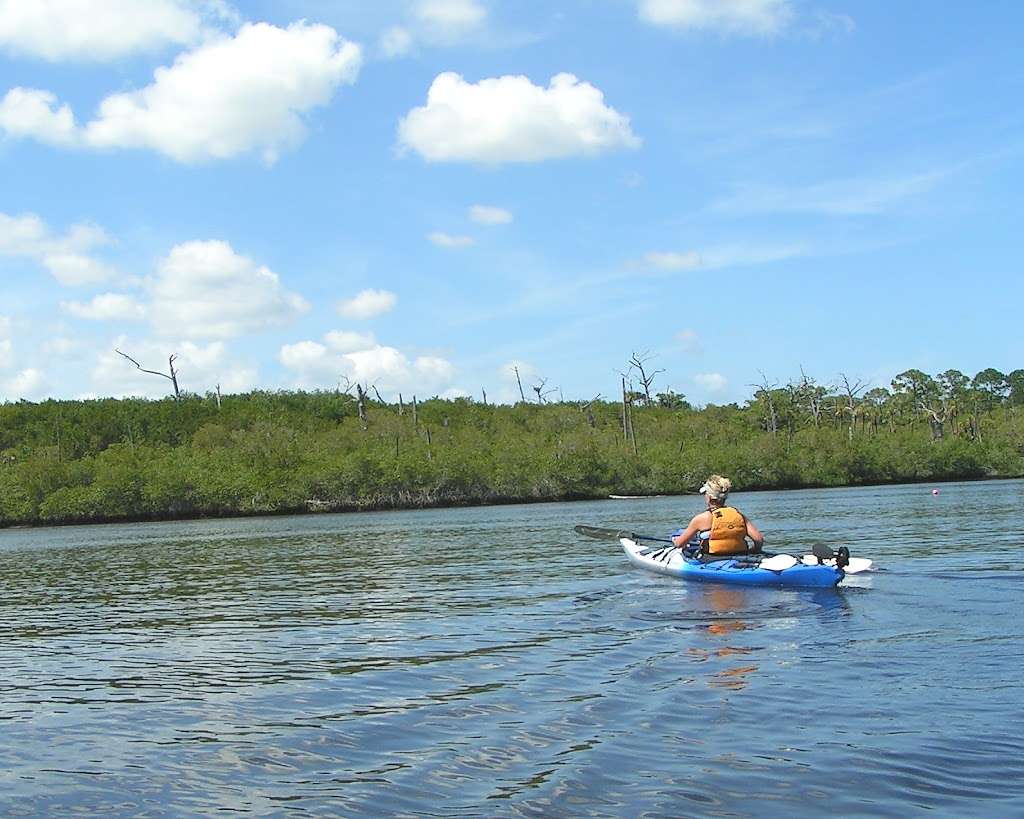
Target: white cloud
{"points": [[396, 42], [203, 289], [227, 97], [107, 307], [29, 384], [750, 17], [435, 23], [27, 112], [64, 256], [386, 368], [82, 29], [508, 119], [712, 382], [448, 21], [447, 240], [61, 345], [367, 304], [489, 215], [199, 367], [670, 260], [346, 341], [457, 14]]}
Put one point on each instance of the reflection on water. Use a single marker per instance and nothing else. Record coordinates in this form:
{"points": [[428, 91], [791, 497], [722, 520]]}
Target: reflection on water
{"points": [[490, 662]]}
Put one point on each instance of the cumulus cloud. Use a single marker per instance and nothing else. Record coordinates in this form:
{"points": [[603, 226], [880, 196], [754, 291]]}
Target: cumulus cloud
{"points": [[199, 367], [711, 382], [323, 365], [508, 119], [30, 384], [80, 30], [745, 17], [346, 341], [27, 112], [65, 256], [489, 215], [367, 304], [106, 307], [447, 240], [204, 289], [227, 97]]}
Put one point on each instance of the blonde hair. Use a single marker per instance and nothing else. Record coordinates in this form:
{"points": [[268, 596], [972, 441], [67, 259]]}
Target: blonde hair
{"points": [[716, 487]]}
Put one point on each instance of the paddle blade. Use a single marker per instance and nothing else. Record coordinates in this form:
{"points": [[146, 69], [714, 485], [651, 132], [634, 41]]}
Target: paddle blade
{"points": [[822, 552], [778, 563], [857, 565], [598, 533]]}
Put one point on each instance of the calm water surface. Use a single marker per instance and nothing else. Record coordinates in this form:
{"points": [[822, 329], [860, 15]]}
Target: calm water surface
{"points": [[489, 662]]}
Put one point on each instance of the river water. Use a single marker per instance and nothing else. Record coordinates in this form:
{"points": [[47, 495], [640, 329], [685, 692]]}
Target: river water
{"points": [[490, 662]]}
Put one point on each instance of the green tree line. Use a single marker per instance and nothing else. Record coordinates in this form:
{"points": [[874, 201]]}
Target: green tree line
{"points": [[275, 452]]}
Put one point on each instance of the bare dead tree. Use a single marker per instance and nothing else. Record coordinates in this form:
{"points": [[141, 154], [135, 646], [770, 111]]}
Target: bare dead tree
{"points": [[485, 395], [764, 389], [519, 381], [637, 362], [542, 394], [627, 416], [172, 377], [852, 406], [587, 408], [377, 393], [361, 404]]}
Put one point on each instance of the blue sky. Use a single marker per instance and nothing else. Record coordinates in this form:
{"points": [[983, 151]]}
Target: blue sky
{"points": [[420, 195]]}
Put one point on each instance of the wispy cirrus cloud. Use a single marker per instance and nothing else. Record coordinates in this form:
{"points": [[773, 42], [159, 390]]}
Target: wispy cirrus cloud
{"points": [[840, 197], [448, 240], [489, 215], [741, 17]]}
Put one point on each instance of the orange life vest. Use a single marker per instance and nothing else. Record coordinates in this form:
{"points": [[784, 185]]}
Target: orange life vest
{"points": [[728, 532]]}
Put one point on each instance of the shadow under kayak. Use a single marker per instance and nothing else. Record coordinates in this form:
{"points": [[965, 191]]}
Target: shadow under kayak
{"points": [[737, 571]]}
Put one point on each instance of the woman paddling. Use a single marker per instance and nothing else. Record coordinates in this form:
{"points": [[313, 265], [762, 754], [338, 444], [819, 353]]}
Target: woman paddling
{"points": [[724, 530]]}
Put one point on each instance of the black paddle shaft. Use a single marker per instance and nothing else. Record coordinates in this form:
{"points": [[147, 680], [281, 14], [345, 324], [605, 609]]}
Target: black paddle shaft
{"points": [[614, 534]]}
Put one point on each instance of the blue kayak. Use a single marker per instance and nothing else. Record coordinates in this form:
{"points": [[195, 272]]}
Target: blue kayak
{"points": [[738, 571]]}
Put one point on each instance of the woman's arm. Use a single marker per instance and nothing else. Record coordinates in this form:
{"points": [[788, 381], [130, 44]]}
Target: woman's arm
{"points": [[696, 525], [755, 535]]}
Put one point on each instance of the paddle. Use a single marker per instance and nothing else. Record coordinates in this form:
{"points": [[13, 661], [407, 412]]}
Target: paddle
{"points": [[615, 534]]}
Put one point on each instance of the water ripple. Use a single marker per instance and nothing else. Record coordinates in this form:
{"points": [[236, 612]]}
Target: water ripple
{"points": [[500, 667]]}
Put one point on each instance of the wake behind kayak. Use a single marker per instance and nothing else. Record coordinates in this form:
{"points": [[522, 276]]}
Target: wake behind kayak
{"points": [[740, 571]]}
